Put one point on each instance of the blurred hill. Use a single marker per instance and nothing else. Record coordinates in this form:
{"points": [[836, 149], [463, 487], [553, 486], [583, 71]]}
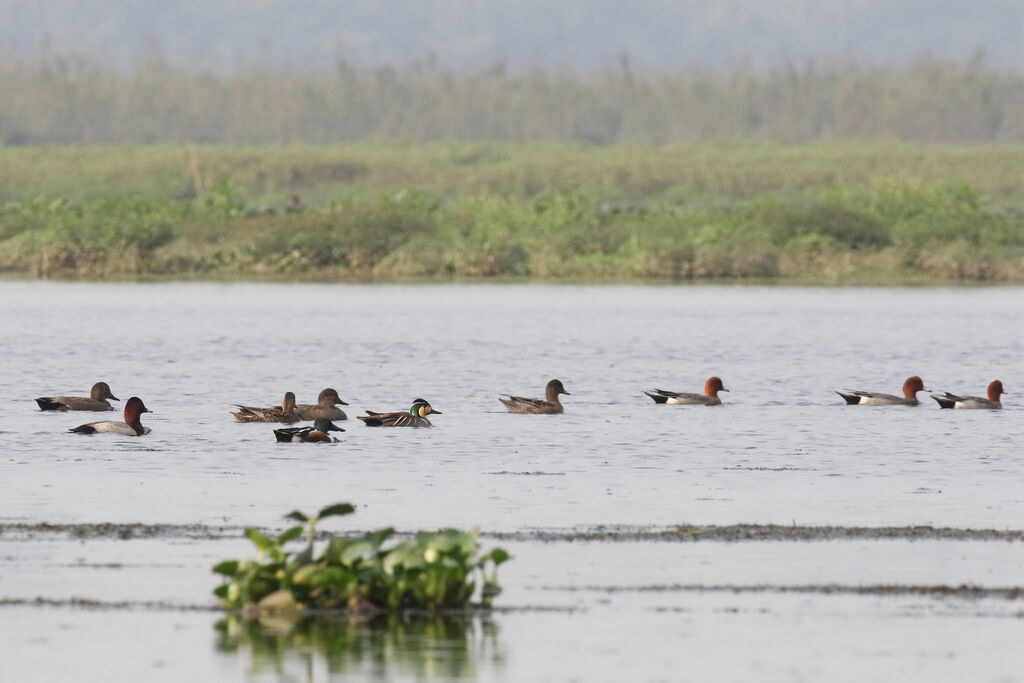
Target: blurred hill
{"points": [[654, 35]]}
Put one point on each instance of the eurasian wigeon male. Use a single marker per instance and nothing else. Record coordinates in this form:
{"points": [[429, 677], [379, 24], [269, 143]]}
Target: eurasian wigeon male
{"points": [[132, 425], [993, 402], [870, 398], [318, 433], [283, 413], [96, 401], [326, 406], [549, 405], [708, 398]]}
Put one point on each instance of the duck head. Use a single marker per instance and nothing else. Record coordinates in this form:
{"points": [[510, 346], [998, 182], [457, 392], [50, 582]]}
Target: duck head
{"points": [[134, 409], [322, 424], [420, 408], [553, 389], [912, 386], [100, 391], [329, 397], [995, 390], [713, 386]]}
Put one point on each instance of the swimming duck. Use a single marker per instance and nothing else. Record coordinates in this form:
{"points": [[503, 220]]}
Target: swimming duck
{"points": [[549, 405], [995, 390], [869, 398], [416, 417], [284, 413], [708, 398], [132, 425], [325, 407], [95, 402], [318, 433]]}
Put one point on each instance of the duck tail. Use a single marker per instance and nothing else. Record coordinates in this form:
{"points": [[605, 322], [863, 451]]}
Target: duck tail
{"points": [[851, 399], [944, 401], [47, 403], [658, 398], [83, 429]]}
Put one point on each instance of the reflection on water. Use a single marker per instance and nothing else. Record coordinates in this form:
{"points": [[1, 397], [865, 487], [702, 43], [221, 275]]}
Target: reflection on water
{"points": [[388, 647]]}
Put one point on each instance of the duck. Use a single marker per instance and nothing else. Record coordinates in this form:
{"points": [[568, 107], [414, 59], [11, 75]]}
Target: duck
{"points": [[675, 398], [132, 425], [318, 433], [96, 401], [549, 405], [416, 417], [325, 406], [284, 413], [870, 398], [995, 390]]}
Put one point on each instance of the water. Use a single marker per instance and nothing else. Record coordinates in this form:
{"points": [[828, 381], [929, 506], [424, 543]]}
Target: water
{"points": [[783, 449]]}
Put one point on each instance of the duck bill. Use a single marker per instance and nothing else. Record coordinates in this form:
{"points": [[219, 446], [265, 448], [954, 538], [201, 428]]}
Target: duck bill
{"points": [[436, 412]]}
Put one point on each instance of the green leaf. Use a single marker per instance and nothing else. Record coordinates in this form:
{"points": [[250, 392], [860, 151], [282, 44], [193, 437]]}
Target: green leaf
{"points": [[221, 591], [262, 543], [227, 568], [297, 516], [498, 555], [490, 590], [336, 510], [292, 533]]}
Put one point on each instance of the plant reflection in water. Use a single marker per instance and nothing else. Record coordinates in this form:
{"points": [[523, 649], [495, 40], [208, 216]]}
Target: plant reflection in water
{"points": [[393, 646]]}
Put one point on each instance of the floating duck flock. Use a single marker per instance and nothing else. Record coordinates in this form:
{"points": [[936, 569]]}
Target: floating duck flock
{"points": [[325, 411]]}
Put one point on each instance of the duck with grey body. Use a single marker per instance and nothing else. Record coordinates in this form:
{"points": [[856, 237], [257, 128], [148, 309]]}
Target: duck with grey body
{"points": [[992, 402], [680, 398], [96, 401], [913, 385], [132, 425]]}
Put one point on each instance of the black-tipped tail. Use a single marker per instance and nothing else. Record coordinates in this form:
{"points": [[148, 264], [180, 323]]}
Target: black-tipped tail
{"points": [[371, 420], [851, 399], [658, 398], [944, 401], [46, 403], [83, 429]]}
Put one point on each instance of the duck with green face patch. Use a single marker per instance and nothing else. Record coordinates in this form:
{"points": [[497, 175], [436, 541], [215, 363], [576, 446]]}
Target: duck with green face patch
{"points": [[549, 405], [416, 417], [318, 433]]}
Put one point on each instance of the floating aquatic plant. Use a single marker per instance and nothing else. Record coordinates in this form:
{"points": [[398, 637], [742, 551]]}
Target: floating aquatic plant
{"points": [[361, 573]]}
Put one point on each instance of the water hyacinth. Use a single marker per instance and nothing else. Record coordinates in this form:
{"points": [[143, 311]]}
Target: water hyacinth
{"points": [[431, 570]]}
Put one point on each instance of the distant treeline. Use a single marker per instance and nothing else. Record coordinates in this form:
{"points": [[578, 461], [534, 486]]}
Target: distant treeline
{"points": [[60, 101]]}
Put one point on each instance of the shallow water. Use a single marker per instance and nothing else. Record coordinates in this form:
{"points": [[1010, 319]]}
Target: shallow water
{"points": [[783, 449]]}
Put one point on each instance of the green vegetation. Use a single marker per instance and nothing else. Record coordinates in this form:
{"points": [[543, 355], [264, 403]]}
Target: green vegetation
{"points": [[429, 571], [835, 212]]}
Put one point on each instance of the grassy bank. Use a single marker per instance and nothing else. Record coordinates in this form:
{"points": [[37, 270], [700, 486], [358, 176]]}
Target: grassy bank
{"points": [[826, 212]]}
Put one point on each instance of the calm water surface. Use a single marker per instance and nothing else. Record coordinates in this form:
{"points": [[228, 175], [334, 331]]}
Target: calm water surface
{"points": [[784, 449]]}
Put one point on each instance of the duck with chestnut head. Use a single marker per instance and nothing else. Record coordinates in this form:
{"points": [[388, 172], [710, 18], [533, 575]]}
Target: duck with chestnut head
{"points": [[681, 398], [318, 433], [992, 402], [911, 387], [132, 425]]}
